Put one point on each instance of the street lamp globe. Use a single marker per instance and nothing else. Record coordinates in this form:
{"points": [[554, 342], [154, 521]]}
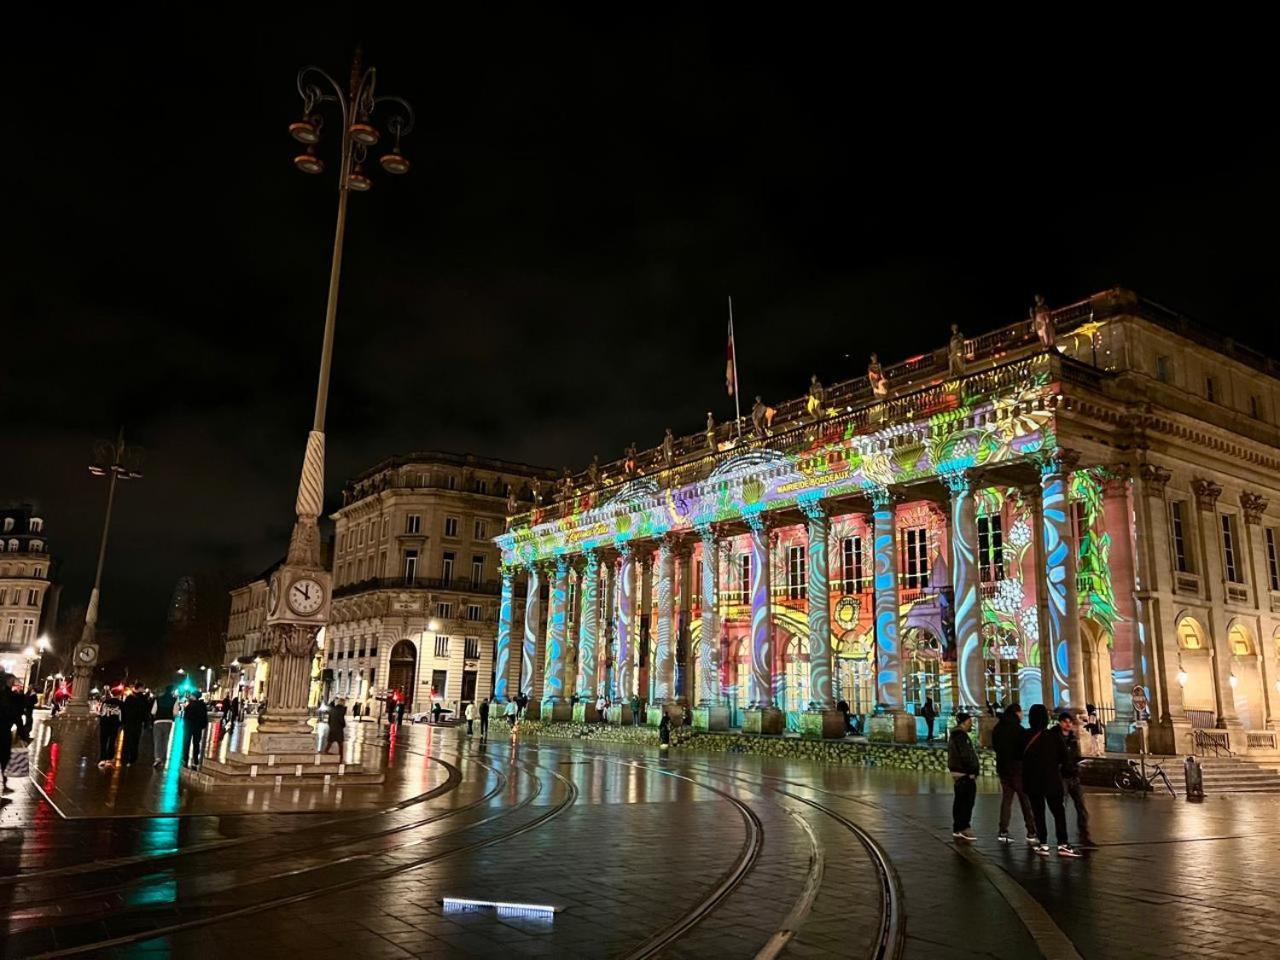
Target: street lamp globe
{"points": [[308, 162], [394, 162], [365, 133], [306, 130]]}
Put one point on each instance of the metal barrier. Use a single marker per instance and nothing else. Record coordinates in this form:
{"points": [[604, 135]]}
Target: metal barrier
{"points": [[1205, 742]]}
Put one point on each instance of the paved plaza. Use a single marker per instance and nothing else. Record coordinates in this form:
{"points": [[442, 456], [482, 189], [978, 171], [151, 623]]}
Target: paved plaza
{"points": [[691, 855]]}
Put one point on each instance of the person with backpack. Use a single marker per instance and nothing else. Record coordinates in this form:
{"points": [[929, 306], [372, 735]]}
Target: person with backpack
{"points": [[962, 761], [1042, 761], [1009, 740]]}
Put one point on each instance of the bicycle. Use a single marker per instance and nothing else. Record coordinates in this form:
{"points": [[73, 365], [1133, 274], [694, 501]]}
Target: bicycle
{"points": [[1132, 779]]}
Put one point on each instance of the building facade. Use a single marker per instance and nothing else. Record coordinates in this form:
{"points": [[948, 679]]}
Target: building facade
{"points": [[1076, 509], [416, 578], [247, 660], [25, 583]]}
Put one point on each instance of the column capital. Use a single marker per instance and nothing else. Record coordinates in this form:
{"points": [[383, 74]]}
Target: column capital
{"points": [[1207, 493], [880, 497], [758, 521], [959, 482], [813, 508], [1155, 477], [1254, 506], [1056, 462], [1115, 478], [562, 565]]}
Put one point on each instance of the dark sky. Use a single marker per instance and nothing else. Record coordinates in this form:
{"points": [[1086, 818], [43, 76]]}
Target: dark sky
{"points": [[550, 279]]}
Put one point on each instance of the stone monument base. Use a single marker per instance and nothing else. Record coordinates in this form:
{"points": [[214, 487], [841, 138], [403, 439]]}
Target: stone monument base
{"points": [[585, 713], [822, 724], [711, 718], [557, 711], [897, 727]]}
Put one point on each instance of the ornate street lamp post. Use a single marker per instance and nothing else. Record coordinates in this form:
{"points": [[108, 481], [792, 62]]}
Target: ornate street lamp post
{"points": [[117, 460], [299, 591]]}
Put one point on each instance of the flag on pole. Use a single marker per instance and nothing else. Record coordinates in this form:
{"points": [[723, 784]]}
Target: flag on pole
{"points": [[731, 365]]}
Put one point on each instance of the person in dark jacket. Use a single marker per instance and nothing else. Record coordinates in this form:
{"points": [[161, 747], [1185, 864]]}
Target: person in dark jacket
{"points": [[109, 713], [132, 716], [1071, 776], [162, 709], [1009, 739], [337, 725], [1042, 761], [195, 719], [484, 718], [962, 761], [664, 732], [10, 714], [930, 714]]}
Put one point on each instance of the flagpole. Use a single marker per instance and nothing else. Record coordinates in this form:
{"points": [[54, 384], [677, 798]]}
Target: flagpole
{"points": [[737, 387]]}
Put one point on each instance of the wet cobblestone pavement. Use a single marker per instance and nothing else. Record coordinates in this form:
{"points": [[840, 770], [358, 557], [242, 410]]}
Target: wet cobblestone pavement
{"points": [[692, 855]]}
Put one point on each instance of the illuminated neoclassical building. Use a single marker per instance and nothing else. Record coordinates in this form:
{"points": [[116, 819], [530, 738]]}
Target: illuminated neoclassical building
{"points": [[1059, 511]]}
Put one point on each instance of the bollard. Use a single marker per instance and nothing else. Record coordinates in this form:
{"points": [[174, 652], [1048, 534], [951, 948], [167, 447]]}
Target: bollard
{"points": [[1195, 778]]}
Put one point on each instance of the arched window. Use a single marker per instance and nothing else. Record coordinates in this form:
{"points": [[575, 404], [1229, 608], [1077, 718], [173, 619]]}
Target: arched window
{"points": [[1190, 636], [1240, 641], [922, 677]]}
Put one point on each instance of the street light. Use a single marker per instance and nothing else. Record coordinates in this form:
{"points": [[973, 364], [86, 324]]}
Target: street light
{"points": [[120, 462]]}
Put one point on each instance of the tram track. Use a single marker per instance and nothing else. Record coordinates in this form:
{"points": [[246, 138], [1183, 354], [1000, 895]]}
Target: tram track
{"points": [[63, 896], [570, 797], [452, 782]]}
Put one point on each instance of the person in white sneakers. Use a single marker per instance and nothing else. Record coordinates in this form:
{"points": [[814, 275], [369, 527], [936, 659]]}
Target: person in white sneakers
{"points": [[1042, 761], [962, 761]]}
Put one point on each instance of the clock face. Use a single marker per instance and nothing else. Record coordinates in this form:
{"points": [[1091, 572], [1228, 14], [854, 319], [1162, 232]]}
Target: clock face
{"points": [[305, 596], [87, 654], [273, 595]]}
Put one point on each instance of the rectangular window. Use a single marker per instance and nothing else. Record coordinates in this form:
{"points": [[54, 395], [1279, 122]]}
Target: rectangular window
{"points": [[450, 482], [851, 569], [1273, 563], [386, 523], [382, 565], [744, 570], [31, 598], [481, 530], [413, 523], [1211, 389], [472, 649], [482, 486], [990, 548], [28, 630], [916, 542], [796, 571], [360, 534], [442, 646], [444, 610], [439, 678], [477, 569], [473, 611], [697, 583], [410, 566], [1164, 369], [1230, 558], [1181, 555], [446, 567], [451, 526]]}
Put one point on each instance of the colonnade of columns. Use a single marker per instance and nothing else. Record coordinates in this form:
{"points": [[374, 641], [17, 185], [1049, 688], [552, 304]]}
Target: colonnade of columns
{"points": [[608, 631]]}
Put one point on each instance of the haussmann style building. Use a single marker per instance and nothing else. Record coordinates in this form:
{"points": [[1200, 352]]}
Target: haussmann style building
{"points": [[1078, 508]]}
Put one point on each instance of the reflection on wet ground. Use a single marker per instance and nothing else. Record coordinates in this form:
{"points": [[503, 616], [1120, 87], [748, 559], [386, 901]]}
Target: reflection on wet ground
{"points": [[634, 855]]}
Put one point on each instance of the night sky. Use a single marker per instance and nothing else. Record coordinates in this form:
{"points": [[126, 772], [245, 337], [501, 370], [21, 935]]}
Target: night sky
{"points": [[550, 279]]}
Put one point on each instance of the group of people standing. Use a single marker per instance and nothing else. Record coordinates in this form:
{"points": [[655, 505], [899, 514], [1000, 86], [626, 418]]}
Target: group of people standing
{"points": [[1039, 766], [139, 709]]}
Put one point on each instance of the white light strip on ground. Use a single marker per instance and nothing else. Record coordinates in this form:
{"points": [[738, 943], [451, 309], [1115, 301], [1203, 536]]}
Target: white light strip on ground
{"points": [[504, 909]]}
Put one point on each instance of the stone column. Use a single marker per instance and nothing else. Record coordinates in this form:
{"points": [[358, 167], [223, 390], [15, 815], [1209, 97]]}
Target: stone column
{"points": [[663, 650], [1210, 537], [821, 719], [970, 668], [1253, 506], [502, 646], [643, 644], [1060, 579], [532, 618], [761, 716], [624, 680], [1128, 656], [684, 626], [588, 632], [711, 713], [608, 635], [1153, 571], [898, 725], [555, 706], [1031, 497]]}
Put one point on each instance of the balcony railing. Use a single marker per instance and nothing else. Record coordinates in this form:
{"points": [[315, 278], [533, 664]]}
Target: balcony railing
{"points": [[456, 584]]}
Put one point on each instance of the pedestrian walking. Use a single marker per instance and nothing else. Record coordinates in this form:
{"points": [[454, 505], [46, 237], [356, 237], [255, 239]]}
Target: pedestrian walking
{"points": [[1071, 733], [664, 732], [109, 715], [930, 714], [162, 710], [510, 713], [842, 707], [28, 701], [602, 709], [10, 715], [399, 713], [1042, 762], [337, 725], [195, 720], [132, 716], [635, 709], [484, 718], [962, 761], [1009, 739], [522, 701], [470, 714]]}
